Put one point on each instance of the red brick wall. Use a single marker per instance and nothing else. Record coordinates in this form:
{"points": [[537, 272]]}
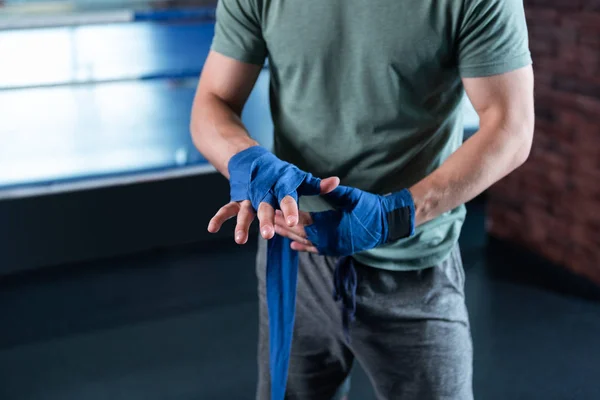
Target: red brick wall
{"points": [[552, 203]]}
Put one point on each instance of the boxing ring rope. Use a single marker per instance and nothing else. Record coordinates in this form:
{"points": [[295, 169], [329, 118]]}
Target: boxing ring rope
{"points": [[65, 15]]}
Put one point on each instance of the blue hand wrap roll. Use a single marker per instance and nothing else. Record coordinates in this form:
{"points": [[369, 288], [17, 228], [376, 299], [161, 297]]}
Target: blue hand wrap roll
{"points": [[282, 278], [257, 175]]}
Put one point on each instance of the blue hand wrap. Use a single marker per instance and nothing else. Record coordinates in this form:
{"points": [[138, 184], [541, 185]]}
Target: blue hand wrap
{"points": [[361, 221], [257, 175]]}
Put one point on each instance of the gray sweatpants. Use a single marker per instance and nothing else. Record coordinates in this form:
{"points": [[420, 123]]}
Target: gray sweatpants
{"points": [[411, 334]]}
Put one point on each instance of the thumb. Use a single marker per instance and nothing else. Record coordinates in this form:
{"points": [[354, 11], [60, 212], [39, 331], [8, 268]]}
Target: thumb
{"points": [[329, 184], [310, 186]]}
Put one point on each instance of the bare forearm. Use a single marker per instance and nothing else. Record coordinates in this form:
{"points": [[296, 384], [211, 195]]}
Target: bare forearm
{"points": [[218, 131], [491, 154]]}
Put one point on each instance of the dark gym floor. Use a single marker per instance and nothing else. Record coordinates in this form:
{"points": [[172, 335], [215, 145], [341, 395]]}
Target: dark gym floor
{"points": [[181, 324]]}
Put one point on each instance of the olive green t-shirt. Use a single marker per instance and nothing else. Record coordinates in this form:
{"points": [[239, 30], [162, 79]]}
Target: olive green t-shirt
{"points": [[370, 90]]}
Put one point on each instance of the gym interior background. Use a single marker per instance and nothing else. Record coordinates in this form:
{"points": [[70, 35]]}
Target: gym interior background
{"points": [[110, 286]]}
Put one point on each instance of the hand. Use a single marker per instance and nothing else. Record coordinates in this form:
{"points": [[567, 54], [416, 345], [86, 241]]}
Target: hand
{"points": [[361, 221], [266, 214], [295, 233]]}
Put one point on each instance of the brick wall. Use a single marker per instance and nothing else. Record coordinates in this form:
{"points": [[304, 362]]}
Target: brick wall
{"points": [[552, 203]]}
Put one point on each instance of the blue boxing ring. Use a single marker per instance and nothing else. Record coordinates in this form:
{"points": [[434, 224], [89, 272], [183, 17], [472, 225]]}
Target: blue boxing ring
{"points": [[94, 105]]}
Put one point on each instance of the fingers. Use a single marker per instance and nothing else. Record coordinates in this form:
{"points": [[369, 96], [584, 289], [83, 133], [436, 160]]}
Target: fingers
{"points": [[314, 186], [329, 184], [286, 232], [311, 186], [302, 247], [266, 216], [244, 219], [225, 213], [289, 207], [298, 229]]}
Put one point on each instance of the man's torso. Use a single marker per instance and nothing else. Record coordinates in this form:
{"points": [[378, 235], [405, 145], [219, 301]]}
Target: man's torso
{"points": [[369, 91]]}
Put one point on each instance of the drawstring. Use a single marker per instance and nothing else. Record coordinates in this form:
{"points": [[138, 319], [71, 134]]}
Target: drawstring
{"points": [[345, 282]]}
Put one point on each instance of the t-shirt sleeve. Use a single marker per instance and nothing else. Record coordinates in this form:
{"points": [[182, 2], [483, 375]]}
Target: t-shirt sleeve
{"points": [[493, 38], [238, 32]]}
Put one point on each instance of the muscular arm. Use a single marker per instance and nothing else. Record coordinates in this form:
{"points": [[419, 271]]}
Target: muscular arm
{"points": [[504, 104], [216, 125], [218, 133]]}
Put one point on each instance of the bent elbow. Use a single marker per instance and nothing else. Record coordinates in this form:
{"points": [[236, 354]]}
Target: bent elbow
{"points": [[524, 143], [195, 129], [198, 120]]}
